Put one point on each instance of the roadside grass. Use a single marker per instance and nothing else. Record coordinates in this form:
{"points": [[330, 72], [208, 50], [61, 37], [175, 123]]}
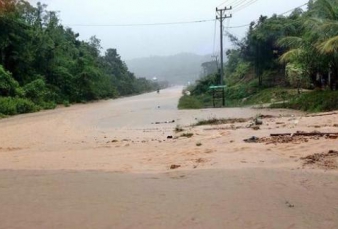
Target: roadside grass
{"points": [[189, 102], [239, 96], [271, 95], [3, 116], [315, 101]]}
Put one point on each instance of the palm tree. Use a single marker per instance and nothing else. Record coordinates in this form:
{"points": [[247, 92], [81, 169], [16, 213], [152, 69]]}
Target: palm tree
{"points": [[326, 21], [317, 49]]}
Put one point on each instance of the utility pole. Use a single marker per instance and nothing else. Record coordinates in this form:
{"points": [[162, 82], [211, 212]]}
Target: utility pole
{"points": [[216, 60], [221, 16]]}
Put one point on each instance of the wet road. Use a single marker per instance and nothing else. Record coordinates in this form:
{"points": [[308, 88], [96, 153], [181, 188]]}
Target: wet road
{"points": [[57, 171]]}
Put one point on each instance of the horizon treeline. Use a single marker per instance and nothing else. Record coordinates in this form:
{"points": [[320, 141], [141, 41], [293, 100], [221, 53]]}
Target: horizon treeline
{"points": [[43, 63]]}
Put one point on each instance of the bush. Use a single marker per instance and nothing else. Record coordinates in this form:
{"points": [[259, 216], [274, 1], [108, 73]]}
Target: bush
{"points": [[203, 84], [8, 85], [241, 91], [36, 90], [13, 106], [66, 103], [189, 102], [48, 105]]}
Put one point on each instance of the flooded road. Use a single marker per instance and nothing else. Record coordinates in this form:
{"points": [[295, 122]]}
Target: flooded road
{"points": [[107, 165]]}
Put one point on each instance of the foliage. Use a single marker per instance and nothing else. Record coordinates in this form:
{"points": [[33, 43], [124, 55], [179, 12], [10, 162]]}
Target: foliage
{"points": [[257, 55], [271, 95], [202, 85], [297, 77], [242, 90], [315, 101], [36, 91], [280, 53], [45, 63], [8, 85], [314, 49], [189, 102], [13, 106]]}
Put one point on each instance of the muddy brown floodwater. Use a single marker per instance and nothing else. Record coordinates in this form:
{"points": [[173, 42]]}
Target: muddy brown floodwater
{"points": [[111, 164]]}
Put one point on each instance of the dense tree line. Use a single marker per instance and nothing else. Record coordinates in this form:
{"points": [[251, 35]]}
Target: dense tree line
{"points": [[277, 55], [43, 63], [303, 46]]}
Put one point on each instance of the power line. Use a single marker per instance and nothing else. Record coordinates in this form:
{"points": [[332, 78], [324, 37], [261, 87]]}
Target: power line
{"points": [[238, 26], [294, 9], [223, 3], [233, 2], [241, 26], [168, 23], [245, 5], [239, 3], [144, 24]]}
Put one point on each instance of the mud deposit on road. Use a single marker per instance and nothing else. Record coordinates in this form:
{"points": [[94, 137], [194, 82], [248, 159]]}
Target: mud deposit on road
{"points": [[322, 160], [139, 162], [248, 198]]}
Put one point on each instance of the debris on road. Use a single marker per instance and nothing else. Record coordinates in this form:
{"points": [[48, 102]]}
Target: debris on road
{"points": [[322, 160], [288, 204], [166, 122], [301, 133], [253, 139], [320, 115], [284, 139], [175, 166], [255, 128], [187, 135], [296, 138], [178, 129], [216, 121], [266, 116], [258, 122]]}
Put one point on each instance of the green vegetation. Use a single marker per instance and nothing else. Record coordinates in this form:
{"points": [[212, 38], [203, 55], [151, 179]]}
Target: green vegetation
{"points": [[200, 95], [279, 57], [272, 95], [313, 101], [43, 63], [13, 106], [189, 102]]}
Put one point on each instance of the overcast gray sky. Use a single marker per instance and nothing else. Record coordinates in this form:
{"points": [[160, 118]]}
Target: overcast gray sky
{"points": [[143, 41]]}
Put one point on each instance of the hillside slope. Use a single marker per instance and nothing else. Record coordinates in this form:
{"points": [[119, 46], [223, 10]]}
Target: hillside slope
{"points": [[177, 69]]}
